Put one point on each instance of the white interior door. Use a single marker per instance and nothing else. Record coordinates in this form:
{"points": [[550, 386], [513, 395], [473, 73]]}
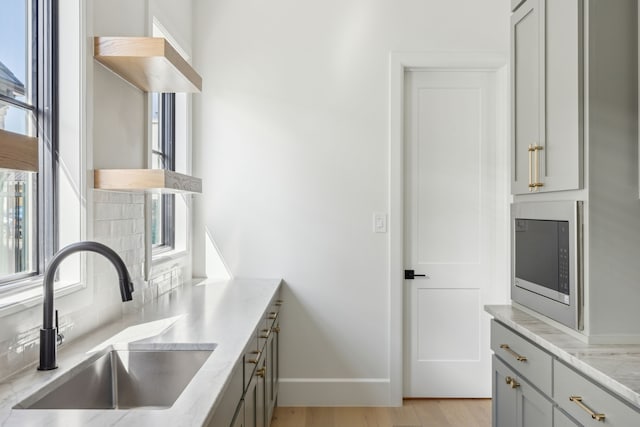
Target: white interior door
{"points": [[450, 231]]}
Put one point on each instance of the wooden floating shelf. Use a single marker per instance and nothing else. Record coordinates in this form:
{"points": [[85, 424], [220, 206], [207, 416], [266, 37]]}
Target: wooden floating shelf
{"points": [[148, 180], [18, 152], [149, 63]]}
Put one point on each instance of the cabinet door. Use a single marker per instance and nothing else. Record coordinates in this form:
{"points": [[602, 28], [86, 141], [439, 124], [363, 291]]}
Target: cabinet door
{"points": [[516, 403], [254, 410], [534, 409], [561, 159], [504, 403], [560, 419], [527, 90], [270, 358], [250, 402], [276, 361], [547, 96], [238, 420], [261, 404]]}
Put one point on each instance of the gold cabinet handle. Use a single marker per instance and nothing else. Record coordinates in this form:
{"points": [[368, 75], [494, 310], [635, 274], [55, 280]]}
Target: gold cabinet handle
{"points": [[276, 329], [512, 382], [255, 361], [518, 357], [265, 333], [280, 301], [273, 315], [536, 168], [261, 372], [578, 401], [530, 151]]}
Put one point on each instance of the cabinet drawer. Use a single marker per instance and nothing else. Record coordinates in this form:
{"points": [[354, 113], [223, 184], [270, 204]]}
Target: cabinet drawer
{"points": [[568, 383], [525, 357]]}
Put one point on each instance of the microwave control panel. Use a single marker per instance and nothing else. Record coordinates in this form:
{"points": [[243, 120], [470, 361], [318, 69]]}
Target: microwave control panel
{"points": [[563, 258]]}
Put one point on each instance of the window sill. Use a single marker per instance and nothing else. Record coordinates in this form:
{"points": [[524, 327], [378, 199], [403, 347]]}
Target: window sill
{"points": [[168, 256], [15, 302]]}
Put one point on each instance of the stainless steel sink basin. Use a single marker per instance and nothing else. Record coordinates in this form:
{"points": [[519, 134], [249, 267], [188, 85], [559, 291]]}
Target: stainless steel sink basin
{"points": [[122, 379]]}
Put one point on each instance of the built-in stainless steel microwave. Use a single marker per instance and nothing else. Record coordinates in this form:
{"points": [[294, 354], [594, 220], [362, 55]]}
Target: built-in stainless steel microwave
{"points": [[546, 259]]}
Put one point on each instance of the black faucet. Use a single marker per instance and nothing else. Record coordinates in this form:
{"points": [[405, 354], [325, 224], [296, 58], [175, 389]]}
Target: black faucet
{"points": [[49, 334]]}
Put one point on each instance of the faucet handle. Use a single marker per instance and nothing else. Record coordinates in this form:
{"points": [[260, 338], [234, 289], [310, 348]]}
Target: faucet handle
{"points": [[59, 336]]}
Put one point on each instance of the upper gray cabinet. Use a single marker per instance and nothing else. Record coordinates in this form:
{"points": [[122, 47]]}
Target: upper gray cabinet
{"points": [[546, 90]]}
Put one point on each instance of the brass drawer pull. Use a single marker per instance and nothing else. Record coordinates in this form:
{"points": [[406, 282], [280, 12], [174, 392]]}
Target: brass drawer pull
{"points": [[255, 361], [531, 151], [512, 382], [518, 357], [265, 333], [276, 329], [536, 167], [578, 401], [273, 315], [261, 372]]}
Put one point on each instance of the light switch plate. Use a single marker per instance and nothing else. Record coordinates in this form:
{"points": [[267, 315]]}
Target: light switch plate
{"points": [[379, 222]]}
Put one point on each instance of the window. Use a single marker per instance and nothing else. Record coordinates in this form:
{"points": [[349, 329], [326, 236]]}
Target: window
{"points": [[162, 157], [28, 105]]}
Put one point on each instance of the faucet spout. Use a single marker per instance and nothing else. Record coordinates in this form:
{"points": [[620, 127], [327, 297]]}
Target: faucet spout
{"points": [[48, 334]]}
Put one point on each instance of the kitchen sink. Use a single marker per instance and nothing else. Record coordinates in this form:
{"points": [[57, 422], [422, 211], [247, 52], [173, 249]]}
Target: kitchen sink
{"points": [[122, 379]]}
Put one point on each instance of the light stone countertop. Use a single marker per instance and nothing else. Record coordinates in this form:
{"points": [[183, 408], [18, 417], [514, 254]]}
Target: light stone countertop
{"points": [[196, 316], [616, 367]]}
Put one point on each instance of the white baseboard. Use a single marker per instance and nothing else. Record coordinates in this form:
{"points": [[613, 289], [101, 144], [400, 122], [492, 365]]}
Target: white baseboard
{"points": [[334, 392]]}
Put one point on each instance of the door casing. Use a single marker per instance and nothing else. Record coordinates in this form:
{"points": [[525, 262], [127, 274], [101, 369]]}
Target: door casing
{"points": [[398, 63]]}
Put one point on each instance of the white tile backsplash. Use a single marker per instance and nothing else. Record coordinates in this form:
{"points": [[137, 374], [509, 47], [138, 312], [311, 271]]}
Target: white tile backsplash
{"points": [[119, 223]]}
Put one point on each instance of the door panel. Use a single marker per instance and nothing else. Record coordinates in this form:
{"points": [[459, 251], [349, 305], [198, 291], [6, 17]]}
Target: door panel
{"points": [[447, 215], [461, 339], [450, 229]]}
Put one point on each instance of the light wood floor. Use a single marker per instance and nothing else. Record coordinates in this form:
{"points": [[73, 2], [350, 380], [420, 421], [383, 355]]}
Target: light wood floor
{"points": [[413, 413]]}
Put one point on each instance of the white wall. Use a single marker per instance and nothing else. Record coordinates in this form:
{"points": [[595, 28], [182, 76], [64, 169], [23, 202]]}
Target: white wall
{"points": [[291, 140]]}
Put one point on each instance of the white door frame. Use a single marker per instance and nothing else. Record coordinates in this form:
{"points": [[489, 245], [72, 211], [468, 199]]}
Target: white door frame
{"points": [[398, 63]]}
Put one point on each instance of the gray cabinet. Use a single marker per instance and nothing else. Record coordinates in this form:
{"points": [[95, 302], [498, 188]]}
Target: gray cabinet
{"points": [[516, 402], [522, 380], [504, 397], [546, 90], [521, 375], [264, 394], [252, 394], [272, 372], [255, 395]]}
